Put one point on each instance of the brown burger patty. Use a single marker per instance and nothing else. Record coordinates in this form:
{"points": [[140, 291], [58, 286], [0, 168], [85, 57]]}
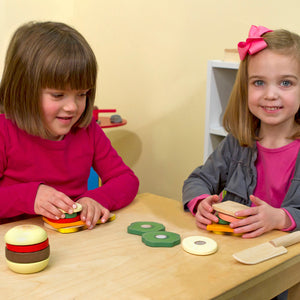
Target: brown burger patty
{"points": [[30, 257]]}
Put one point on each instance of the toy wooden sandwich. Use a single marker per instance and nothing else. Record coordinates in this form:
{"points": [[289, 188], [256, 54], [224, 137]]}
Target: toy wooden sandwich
{"points": [[27, 248], [225, 211], [71, 222]]}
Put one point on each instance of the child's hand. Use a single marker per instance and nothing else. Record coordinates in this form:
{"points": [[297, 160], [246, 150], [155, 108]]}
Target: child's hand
{"points": [[260, 219], [92, 211], [204, 215], [48, 201]]}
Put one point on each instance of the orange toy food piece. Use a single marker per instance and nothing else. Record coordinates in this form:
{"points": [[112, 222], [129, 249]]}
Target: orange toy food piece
{"points": [[228, 218], [72, 227], [219, 227]]}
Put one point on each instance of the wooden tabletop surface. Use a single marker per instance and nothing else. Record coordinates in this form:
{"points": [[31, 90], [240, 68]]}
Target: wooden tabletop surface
{"points": [[109, 263]]}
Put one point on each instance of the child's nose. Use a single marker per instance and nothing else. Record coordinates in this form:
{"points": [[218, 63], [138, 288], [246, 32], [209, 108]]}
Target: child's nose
{"points": [[71, 104], [271, 93]]}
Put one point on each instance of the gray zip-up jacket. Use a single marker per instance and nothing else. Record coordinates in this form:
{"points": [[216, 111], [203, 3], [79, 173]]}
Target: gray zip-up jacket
{"points": [[231, 168]]}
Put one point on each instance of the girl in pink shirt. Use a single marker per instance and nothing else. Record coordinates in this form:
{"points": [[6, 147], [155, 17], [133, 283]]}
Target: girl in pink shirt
{"points": [[48, 139]]}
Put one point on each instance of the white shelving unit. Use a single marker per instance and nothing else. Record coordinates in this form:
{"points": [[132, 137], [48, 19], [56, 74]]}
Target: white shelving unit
{"points": [[220, 79]]}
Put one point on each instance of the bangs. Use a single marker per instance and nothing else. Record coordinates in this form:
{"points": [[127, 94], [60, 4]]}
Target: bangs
{"points": [[69, 65]]}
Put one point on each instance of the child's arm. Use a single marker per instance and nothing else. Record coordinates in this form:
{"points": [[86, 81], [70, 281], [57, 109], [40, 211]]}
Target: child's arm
{"points": [[92, 211], [260, 219], [204, 214], [211, 177], [119, 184], [18, 199]]}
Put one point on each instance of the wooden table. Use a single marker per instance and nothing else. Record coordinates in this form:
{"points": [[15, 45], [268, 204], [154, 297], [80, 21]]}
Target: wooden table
{"points": [[109, 263]]}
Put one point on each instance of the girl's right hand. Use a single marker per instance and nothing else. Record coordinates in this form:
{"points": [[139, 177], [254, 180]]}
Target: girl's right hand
{"points": [[205, 212], [49, 201]]}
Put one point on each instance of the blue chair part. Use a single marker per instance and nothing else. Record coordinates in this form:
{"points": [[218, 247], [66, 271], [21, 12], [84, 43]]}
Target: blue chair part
{"points": [[93, 181]]}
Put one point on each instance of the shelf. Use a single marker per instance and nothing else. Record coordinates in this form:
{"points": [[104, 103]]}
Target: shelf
{"points": [[224, 64], [220, 80], [218, 131]]}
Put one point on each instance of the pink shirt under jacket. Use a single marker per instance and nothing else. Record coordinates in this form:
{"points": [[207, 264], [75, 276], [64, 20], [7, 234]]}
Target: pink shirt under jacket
{"points": [[27, 161]]}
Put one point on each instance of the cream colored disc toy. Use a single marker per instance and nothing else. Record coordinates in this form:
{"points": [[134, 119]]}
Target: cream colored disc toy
{"points": [[199, 245]]}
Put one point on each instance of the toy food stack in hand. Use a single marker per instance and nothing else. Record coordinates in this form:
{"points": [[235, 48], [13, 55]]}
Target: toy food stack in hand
{"points": [[71, 222], [225, 211]]}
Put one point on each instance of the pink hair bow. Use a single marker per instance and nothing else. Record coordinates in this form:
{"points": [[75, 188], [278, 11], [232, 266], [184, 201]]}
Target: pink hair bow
{"points": [[254, 42]]}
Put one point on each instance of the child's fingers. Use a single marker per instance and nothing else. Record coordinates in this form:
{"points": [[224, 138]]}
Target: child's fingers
{"points": [[92, 211], [249, 227], [253, 234], [94, 219], [83, 213], [50, 211], [208, 202], [53, 212], [242, 223], [65, 203], [201, 225], [206, 216], [49, 201], [105, 215], [215, 198], [206, 220], [246, 212], [255, 200], [90, 216]]}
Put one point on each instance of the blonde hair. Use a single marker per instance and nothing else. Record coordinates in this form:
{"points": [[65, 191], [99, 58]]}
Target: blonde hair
{"points": [[45, 55], [238, 120]]}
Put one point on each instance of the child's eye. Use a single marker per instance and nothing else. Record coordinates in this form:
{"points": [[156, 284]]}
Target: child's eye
{"points": [[258, 83], [83, 94], [57, 95], [286, 83]]}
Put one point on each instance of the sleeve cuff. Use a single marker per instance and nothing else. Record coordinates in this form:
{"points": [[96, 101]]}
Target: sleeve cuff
{"points": [[293, 226], [193, 204]]}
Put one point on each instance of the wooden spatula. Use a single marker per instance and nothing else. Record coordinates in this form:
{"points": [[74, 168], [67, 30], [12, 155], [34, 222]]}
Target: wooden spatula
{"points": [[267, 250]]}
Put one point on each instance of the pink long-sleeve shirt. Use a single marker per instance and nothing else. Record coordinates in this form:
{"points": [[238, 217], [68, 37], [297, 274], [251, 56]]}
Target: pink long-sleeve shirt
{"points": [[27, 161]]}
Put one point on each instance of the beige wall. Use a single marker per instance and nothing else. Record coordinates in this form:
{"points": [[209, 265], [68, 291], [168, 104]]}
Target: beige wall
{"points": [[152, 57]]}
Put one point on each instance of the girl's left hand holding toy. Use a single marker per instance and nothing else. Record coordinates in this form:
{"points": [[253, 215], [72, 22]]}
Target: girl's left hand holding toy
{"points": [[260, 219], [92, 211]]}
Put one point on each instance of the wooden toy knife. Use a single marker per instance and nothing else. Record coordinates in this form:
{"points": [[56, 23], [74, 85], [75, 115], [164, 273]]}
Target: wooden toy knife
{"points": [[267, 250]]}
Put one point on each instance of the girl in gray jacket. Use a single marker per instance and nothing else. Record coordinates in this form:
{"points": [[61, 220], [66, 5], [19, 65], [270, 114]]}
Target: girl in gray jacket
{"points": [[257, 164]]}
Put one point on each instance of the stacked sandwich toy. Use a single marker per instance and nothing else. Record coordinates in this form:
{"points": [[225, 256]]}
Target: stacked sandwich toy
{"points": [[225, 211], [71, 222], [27, 248]]}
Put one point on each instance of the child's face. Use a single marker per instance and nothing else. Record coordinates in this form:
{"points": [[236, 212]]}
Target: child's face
{"points": [[61, 110], [274, 89]]}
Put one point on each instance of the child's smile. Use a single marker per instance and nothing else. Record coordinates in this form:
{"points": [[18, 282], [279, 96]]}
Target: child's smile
{"points": [[61, 110], [271, 108]]}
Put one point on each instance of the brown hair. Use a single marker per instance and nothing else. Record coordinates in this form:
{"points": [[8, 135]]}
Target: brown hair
{"points": [[45, 55], [238, 120]]}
